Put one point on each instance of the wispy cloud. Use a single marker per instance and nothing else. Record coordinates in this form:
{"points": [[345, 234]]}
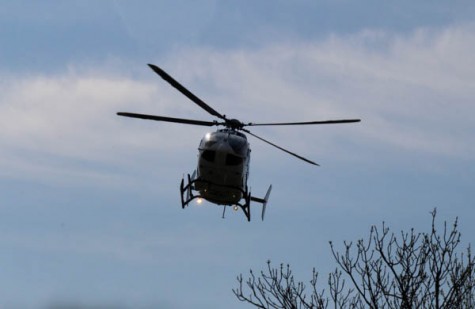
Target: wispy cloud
{"points": [[414, 93], [66, 125]]}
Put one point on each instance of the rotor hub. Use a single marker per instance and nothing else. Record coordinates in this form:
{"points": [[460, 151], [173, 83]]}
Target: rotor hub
{"points": [[234, 124]]}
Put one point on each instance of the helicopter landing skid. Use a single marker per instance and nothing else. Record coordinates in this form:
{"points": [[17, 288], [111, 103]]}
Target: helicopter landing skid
{"points": [[187, 195]]}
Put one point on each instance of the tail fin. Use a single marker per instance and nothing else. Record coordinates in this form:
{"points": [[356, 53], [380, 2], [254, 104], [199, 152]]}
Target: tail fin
{"points": [[266, 198], [263, 201]]}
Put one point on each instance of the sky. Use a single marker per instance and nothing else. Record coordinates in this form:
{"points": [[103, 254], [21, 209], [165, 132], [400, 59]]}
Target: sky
{"points": [[90, 215]]}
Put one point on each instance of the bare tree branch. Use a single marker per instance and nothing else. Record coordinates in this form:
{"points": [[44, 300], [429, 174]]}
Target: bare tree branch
{"points": [[407, 270]]}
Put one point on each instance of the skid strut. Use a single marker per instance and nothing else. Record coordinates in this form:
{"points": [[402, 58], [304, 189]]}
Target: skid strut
{"points": [[187, 195]]}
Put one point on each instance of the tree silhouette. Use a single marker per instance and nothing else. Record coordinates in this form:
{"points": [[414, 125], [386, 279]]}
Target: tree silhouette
{"points": [[387, 270]]}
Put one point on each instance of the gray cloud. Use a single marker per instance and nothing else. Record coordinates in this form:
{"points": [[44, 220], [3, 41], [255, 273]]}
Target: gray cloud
{"points": [[413, 93]]}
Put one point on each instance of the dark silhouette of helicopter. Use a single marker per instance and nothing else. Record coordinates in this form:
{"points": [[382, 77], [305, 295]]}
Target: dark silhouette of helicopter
{"points": [[223, 161]]}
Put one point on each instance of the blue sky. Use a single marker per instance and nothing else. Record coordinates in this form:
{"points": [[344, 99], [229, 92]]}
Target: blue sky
{"points": [[89, 204]]}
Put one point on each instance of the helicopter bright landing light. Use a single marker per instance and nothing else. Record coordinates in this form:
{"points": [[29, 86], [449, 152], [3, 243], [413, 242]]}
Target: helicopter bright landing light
{"points": [[223, 156]]}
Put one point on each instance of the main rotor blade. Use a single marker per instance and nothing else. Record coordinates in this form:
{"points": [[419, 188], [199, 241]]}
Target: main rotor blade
{"points": [[185, 91], [303, 123], [170, 119], [285, 150]]}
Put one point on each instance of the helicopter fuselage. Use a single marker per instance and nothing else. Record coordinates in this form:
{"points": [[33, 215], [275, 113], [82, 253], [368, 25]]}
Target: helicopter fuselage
{"points": [[223, 167], [223, 159]]}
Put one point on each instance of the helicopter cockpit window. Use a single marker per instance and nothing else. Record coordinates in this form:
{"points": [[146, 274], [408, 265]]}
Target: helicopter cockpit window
{"points": [[233, 160], [208, 155], [239, 145], [209, 140]]}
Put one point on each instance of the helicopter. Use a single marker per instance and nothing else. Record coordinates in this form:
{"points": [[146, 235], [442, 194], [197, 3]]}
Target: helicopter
{"points": [[222, 171]]}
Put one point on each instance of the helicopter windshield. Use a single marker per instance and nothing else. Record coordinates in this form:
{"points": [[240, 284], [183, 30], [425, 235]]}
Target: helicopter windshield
{"points": [[209, 140], [236, 140], [238, 144]]}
